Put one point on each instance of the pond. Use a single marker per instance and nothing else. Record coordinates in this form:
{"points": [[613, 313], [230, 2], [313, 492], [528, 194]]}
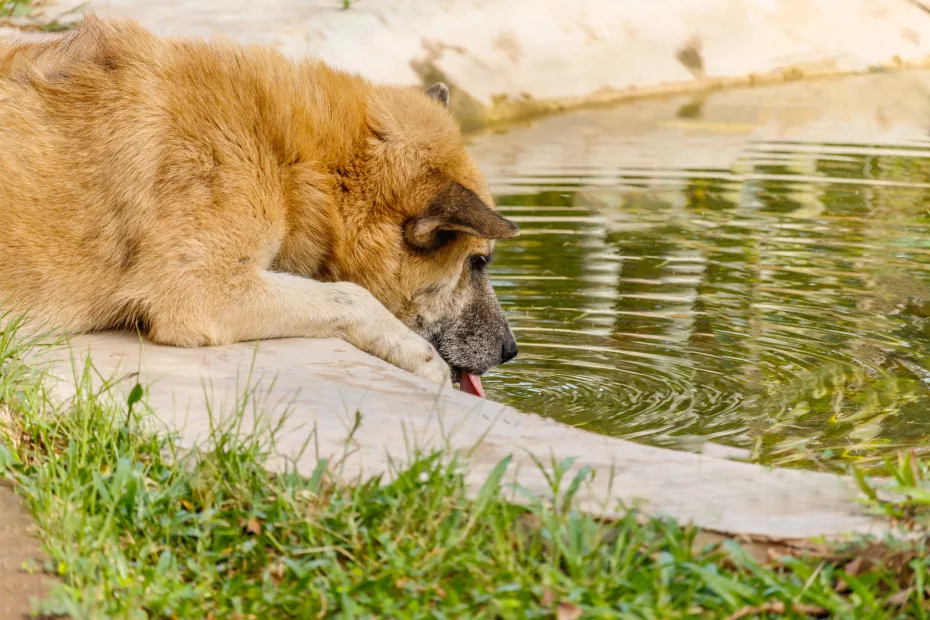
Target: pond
{"points": [[750, 268]]}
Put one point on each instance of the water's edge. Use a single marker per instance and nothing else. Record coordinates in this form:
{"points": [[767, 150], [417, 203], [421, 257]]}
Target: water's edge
{"points": [[751, 267]]}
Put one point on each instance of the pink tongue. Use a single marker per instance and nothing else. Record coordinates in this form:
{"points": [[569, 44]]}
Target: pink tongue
{"points": [[471, 384]]}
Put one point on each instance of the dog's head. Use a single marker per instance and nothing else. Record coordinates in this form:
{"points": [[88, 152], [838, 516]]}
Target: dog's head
{"points": [[430, 229]]}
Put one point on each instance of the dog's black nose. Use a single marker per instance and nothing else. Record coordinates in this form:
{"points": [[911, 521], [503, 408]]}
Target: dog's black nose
{"points": [[508, 349]]}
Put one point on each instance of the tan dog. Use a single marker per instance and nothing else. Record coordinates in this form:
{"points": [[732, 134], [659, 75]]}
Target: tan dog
{"points": [[215, 193]]}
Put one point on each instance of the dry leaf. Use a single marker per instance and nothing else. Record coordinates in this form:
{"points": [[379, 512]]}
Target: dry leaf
{"points": [[253, 526], [899, 599], [915, 471], [567, 611], [548, 598], [530, 522], [810, 610], [189, 507], [776, 607], [852, 568], [774, 557]]}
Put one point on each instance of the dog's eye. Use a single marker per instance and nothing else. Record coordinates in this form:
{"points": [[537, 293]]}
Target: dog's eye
{"points": [[480, 261]]}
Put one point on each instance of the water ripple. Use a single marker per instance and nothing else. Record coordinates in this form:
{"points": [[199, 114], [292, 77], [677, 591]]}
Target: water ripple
{"points": [[782, 302]]}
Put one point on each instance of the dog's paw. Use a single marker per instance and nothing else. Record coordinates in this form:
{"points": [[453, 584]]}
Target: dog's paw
{"points": [[436, 370], [418, 356], [430, 365]]}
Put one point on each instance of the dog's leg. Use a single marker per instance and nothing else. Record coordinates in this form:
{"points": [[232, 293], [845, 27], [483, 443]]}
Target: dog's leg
{"points": [[267, 305]]}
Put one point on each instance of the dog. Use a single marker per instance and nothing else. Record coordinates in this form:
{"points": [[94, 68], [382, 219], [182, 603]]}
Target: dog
{"points": [[209, 193]]}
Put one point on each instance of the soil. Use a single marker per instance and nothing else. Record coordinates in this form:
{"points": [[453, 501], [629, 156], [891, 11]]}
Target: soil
{"points": [[18, 545]]}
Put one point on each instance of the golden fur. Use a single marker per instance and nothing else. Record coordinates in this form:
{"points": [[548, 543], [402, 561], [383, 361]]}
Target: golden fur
{"points": [[216, 193]]}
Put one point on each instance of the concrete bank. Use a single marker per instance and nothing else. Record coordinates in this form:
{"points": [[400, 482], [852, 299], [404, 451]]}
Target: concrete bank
{"points": [[313, 388], [716, 134], [508, 59]]}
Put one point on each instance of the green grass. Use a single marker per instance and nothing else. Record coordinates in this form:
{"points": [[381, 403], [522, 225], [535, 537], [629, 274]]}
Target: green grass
{"points": [[30, 15], [904, 493], [13, 8], [136, 529]]}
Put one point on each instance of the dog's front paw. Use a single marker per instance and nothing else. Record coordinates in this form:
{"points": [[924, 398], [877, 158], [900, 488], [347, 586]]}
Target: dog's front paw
{"points": [[379, 333], [432, 367]]}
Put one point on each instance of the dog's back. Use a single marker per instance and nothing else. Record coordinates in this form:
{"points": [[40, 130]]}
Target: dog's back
{"points": [[93, 141]]}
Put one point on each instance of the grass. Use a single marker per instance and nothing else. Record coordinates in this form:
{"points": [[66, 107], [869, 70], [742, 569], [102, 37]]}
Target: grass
{"points": [[136, 529], [12, 8], [30, 15], [905, 495]]}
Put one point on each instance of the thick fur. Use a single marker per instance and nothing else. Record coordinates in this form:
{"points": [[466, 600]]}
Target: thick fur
{"points": [[215, 193]]}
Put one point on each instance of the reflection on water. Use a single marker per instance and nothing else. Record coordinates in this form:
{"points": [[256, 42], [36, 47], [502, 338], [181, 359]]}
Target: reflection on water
{"points": [[780, 304]]}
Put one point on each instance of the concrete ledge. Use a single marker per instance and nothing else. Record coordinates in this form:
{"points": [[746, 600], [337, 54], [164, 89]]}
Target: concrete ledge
{"points": [[508, 59], [322, 383], [719, 133]]}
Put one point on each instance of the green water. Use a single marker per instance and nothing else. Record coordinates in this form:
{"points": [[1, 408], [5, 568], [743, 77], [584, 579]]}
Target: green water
{"points": [[780, 305]]}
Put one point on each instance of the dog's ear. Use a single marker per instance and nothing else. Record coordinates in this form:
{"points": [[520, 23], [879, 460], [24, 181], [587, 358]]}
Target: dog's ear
{"points": [[439, 92], [457, 209]]}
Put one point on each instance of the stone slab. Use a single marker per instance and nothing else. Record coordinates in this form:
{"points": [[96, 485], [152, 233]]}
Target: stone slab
{"points": [[313, 388]]}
